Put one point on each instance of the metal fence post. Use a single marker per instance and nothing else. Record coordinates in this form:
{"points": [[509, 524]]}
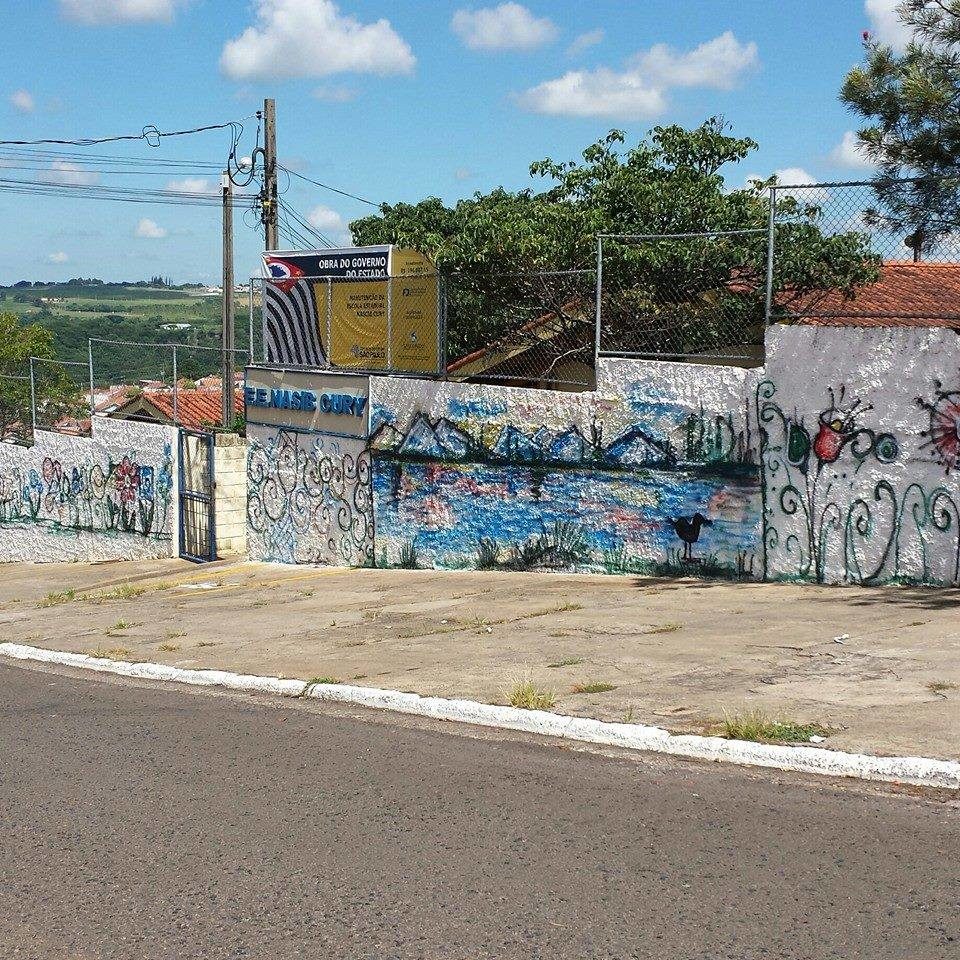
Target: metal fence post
{"points": [[442, 326], [599, 289], [250, 319], [93, 402], [329, 323], [389, 323], [771, 238], [33, 401], [176, 418]]}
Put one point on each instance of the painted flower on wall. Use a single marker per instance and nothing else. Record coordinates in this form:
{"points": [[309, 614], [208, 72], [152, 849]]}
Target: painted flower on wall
{"points": [[146, 483], [127, 480], [944, 432]]}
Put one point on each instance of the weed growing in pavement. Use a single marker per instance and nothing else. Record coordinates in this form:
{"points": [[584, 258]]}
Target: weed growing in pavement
{"points": [[53, 599], [568, 662], [118, 626], [526, 695], [168, 647], [663, 628], [124, 592], [175, 634], [940, 687], [756, 726], [628, 716], [594, 686], [112, 653], [316, 682]]}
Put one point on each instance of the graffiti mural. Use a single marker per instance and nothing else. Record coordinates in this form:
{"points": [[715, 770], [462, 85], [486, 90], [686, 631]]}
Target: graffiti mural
{"points": [[943, 434], [844, 503], [77, 498], [308, 499], [498, 478]]}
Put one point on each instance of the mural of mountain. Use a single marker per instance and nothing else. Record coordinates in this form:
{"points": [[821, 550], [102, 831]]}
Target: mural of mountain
{"points": [[636, 448], [513, 444], [386, 437], [443, 439]]}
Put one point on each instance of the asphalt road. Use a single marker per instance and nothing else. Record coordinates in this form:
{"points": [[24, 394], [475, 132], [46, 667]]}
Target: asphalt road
{"points": [[143, 822]]}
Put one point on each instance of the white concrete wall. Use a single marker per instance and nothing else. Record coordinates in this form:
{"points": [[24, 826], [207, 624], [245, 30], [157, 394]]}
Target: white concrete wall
{"points": [[480, 475], [860, 462], [111, 496], [308, 498]]}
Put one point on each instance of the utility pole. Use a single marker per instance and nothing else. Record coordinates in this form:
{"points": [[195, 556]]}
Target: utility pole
{"points": [[227, 319], [270, 211]]}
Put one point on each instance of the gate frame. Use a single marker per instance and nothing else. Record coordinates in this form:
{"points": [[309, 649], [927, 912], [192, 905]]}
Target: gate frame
{"points": [[208, 498]]}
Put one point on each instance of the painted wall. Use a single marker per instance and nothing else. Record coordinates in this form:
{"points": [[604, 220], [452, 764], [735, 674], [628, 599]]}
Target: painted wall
{"points": [[107, 497], [308, 498], [861, 454], [655, 472]]}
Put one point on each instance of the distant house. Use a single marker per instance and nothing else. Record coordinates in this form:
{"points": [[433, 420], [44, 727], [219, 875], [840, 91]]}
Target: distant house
{"points": [[197, 408]]}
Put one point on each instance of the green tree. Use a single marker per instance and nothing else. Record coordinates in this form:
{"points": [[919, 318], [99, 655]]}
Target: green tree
{"points": [[56, 394], [691, 293], [910, 103]]}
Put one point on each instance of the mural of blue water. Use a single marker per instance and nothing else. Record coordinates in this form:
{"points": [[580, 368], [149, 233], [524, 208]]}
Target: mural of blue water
{"points": [[515, 516]]}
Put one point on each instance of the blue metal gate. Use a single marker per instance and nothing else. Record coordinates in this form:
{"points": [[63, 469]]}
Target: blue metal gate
{"points": [[198, 539]]}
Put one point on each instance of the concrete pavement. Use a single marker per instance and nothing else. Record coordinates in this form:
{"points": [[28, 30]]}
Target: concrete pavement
{"points": [[162, 823], [678, 654]]}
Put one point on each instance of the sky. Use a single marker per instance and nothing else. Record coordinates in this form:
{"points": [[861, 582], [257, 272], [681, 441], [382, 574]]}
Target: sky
{"points": [[393, 100]]}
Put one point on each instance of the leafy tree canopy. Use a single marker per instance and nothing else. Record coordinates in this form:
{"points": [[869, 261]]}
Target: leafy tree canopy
{"points": [[910, 104], [670, 183]]}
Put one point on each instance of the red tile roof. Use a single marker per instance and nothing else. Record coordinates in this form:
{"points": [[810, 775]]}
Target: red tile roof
{"points": [[196, 409], [906, 295]]}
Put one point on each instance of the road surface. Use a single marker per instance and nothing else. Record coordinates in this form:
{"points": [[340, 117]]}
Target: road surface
{"points": [[149, 822]]}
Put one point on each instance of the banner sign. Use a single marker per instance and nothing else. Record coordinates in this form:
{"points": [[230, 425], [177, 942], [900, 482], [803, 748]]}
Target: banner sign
{"points": [[362, 308], [331, 403]]}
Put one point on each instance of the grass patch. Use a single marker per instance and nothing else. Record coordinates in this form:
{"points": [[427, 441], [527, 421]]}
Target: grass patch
{"points": [[316, 682], [168, 647], [124, 592], [940, 687], [526, 695], [112, 653], [566, 662], [756, 726], [55, 599], [175, 634], [594, 686]]}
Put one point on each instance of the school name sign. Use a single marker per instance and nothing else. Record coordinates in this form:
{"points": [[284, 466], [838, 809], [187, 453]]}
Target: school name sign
{"points": [[310, 401]]}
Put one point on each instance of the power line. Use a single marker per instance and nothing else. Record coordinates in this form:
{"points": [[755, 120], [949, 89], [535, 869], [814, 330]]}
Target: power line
{"points": [[305, 224], [150, 134], [326, 186]]}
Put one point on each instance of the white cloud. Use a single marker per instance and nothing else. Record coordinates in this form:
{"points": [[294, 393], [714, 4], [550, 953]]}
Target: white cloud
{"points": [[332, 94], [69, 174], [330, 224], [463, 173], [718, 63], [22, 101], [198, 185], [795, 177], [58, 257], [850, 153], [148, 229], [312, 38], [96, 12], [885, 24], [640, 90], [509, 26], [586, 40]]}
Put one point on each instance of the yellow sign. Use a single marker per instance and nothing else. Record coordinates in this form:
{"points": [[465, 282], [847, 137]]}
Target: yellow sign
{"points": [[383, 324]]}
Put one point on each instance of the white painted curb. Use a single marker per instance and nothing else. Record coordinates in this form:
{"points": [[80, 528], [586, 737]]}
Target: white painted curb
{"points": [[916, 770]]}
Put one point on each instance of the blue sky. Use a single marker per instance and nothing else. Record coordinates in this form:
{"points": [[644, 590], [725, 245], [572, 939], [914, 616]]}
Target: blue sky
{"points": [[395, 100]]}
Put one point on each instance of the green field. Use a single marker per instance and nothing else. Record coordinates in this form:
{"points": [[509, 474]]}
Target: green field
{"points": [[118, 312]]}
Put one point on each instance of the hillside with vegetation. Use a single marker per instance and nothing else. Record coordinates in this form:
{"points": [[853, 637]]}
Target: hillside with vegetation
{"points": [[143, 313]]}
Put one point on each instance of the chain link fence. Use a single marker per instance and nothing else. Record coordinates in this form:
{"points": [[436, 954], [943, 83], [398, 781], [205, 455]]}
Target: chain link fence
{"points": [[882, 251], [522, 329], [16, 417], [386, 326], [682, 295]]}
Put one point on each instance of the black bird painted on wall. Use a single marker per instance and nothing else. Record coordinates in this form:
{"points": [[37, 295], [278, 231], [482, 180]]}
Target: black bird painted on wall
{"points": [[688, 530]]}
